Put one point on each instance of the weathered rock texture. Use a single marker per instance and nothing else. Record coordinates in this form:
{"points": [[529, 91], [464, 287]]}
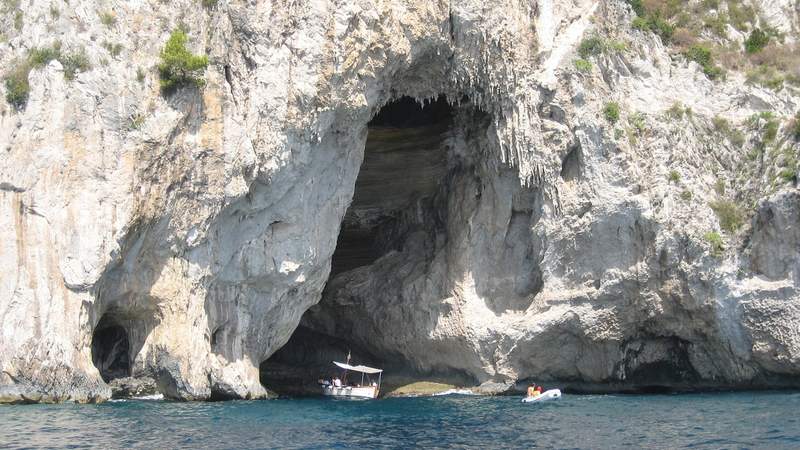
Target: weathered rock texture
{"points": [[523, 237]]}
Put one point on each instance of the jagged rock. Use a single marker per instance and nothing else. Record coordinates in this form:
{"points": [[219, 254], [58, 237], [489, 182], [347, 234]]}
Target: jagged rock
{"points": [[132, 387], [203, 223]]}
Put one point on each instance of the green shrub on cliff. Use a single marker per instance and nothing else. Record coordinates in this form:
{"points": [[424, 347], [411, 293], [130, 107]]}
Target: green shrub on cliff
{"points": [[771, 131], [75, 62], [179, 67], [729, 214], [702, 56], [107, 18], [795, 126], [654, 17], [787, 174], [656, 24], [611, 112], [722, 126], [715, 241], [756, 41], [677, 111], [583, 65], [19, 18], [17, 87], [638, 7], [591, 46], [638, 123], [40, 57], [16, 79]]}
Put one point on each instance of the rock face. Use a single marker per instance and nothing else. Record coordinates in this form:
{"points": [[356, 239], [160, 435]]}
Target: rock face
{"points": [[503, 232]]}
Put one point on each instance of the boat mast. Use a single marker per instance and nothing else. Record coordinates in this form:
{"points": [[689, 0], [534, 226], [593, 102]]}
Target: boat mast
{"points": [[344, 381]]}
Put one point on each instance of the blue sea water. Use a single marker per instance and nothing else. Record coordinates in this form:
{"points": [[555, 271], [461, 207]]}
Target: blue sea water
{"points": [[722, 420]]}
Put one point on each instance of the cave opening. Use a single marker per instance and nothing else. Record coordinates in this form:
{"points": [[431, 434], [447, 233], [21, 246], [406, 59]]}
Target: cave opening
{"points": [[401, 178], [403, 165], [111, 352]]}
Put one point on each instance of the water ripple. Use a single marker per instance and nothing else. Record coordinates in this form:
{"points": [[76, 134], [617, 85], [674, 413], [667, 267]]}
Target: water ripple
{"points": [[455, 421]]}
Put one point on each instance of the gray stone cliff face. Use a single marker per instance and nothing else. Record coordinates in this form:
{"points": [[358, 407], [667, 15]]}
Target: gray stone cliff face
{"points": [[516, 235]]}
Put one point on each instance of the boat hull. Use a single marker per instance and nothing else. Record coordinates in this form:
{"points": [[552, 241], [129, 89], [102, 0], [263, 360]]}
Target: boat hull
{"points": [[350, 391], [550, 395]]}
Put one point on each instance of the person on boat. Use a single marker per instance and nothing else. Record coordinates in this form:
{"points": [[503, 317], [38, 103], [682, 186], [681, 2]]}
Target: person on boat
{"points": [[337, 382], [532, 392]]}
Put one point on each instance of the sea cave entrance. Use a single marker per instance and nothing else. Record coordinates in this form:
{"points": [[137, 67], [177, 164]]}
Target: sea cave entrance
{"points": [[401, 179], [111, 350]]}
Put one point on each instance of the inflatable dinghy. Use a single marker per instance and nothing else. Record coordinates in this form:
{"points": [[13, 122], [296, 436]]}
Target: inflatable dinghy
{"points": [[546, 396]]}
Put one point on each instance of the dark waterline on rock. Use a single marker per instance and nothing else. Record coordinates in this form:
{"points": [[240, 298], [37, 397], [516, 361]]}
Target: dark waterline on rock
{"points": [[722, 420]]}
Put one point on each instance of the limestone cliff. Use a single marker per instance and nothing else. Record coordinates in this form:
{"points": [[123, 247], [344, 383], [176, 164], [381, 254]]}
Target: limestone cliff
{"points": [[510, 229]]}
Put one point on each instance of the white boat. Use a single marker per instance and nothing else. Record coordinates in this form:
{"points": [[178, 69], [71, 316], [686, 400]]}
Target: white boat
{"points": [[546, 396], [368, 388]]}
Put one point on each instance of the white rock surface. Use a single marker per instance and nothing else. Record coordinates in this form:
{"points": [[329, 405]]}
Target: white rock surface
{"points": [[207, 230]]}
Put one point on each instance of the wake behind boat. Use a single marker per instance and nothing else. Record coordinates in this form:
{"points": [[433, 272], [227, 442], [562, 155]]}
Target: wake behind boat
{"points": [[368, 388]]}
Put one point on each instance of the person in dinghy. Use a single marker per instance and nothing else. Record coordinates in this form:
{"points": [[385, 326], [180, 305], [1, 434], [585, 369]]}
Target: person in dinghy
{"points": [[534, 391], [535, 394]]}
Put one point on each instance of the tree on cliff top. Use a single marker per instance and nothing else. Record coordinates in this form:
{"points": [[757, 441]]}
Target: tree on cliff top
{"points": [[179, 67]]}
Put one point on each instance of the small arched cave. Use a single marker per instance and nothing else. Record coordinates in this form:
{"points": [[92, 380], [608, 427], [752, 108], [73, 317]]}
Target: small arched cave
{"points": [[572, 164], [656, 365], [399, 191], [111, 350]]}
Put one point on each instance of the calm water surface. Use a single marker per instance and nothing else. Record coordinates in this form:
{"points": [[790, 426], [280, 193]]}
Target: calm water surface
{"points": [[727, 420]]}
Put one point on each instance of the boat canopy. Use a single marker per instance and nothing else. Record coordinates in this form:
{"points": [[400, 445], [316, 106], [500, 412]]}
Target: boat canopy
{"points": [[362, 369]]}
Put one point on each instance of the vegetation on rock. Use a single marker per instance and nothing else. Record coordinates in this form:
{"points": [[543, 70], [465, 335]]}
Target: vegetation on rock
{"points": [[756, 41], [637, 121], [656, 24], [702, 55], [17, 87], [74, 62], [179, 67], [113, 49], [715, 241], [678, 110], [583, 65], [611, 112], [767, 57], [108, 18], [730, 216], [722, 126], [591, 46], [16, 79]]}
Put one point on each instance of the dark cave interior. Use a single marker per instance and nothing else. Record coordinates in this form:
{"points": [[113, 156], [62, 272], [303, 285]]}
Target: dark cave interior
{"points": [[111, 349], [405, 161]]}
